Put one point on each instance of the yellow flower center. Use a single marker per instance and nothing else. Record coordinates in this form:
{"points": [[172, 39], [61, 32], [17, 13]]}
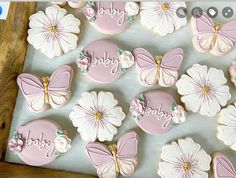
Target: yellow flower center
{"points": [[165, 6], [53, 29], [205, 89], [186, 166], [98, 116]]}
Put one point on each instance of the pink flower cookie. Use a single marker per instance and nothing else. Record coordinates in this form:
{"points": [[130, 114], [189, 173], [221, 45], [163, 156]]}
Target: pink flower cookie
{"points": [[96, 116], [115, 159], [208, 36], [162, 70], [42, 92], [111, 17], [184, 158], [39, 142], [223, 167], [103, 61], [232, 71], [156, 112]]}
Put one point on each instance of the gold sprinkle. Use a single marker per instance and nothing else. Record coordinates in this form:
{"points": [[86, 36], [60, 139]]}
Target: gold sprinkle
{"points": [[98, 116], [53, 29], [186, 166], [165, 6], [205, 89]]}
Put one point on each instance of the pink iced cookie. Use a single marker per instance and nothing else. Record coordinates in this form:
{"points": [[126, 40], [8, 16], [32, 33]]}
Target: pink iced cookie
{"points": [[103, 61], [115, 159], [223, 168], [111, 17], [39, 142], [46, 91], [156, 112]]}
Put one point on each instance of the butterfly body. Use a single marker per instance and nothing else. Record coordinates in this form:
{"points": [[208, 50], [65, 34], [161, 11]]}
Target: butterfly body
{"points": [[160, 69], [212, 37], [42, 92], [115, 159]]}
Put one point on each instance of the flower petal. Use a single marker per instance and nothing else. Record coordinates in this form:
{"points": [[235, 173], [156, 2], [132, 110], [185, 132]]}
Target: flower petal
{"points": [[39, 21], [55, 14], [222, 94], [225, 134], [106, 100], [198, 73], [203, 161], [199, 174], [89, 101], [69, 24], [215, 78], [192, 101], [170, 153], [67, 41], [228, 116], [88, 130], [168, 170], [188, 147], [115, 116], [106, 131]]}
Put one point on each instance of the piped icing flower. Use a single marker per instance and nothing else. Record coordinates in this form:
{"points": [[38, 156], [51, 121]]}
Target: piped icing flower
{"points": [[126, 59], [184, 159], [16, 143], [137, 106], [203, 90], [53, 32], [178, 113], [62, 142], [83, 62], [90, 11], [161, 17], [96, 116], [132, 8]]}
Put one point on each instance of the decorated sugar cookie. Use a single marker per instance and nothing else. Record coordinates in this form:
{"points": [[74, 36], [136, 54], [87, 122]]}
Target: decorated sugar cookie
{"points": [[97, 115], [72, 4], [161, 17], [39, 142], [162, 70], [209, 36], [232, 71], [53, 32], [203, 90], [46, 91], [111, 17], [156, 112], [115, 159], [226, 129], [103, 61], [184, 158], [223, 168]]}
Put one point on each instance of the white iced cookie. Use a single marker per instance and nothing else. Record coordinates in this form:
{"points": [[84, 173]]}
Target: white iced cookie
{"points": [[161, 17], [203, 90], [53, 32], [184, 159], [96, 116], [72, 4], [226, 129]]}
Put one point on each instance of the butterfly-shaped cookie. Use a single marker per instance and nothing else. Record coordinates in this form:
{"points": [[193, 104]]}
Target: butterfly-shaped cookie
{"points": [[162, 70], [212, 37], [41, 92], [223, 168], [116, 158]]}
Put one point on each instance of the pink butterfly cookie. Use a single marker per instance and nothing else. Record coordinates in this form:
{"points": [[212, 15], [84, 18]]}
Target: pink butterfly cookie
{"points": [[223, 168], [212, 37], [116, 158], [161, 70], [41, 92]]}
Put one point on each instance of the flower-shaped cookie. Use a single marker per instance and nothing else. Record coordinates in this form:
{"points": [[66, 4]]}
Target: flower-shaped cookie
{"points": [[226, 130], [184, 159], [97, 116], [53, 32], [161, 17], [203, 90]]}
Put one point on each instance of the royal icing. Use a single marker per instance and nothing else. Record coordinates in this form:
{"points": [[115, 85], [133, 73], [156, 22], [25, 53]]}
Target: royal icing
{"points": [[184, 159], [42, 92], [97, 115], [103, 61], [162, 70], [111, 17], [156, 112], [39, 142], [203, 90], [232, 71], [161, 17]]}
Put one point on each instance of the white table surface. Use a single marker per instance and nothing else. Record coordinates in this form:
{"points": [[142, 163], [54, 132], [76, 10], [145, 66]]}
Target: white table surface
{"points": [[200, 128]]}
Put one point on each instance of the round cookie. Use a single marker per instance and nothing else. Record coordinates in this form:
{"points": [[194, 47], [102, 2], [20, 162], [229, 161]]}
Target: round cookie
{"points": [[155, 112], [103, 61], [111, 17], [39, 142]]}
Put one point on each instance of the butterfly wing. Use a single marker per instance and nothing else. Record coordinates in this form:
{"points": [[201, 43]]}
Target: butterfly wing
{"points": [[59, 86], [33, 91], [102, 159], [146, 67], [127, 148], [223, 168], [203, 32], [167, 77]]}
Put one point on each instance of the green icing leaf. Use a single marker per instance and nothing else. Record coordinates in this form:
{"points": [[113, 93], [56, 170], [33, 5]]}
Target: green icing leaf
{"points": [[173, 106], [60, 132], [90, 4], [130, 19], [92, 19], [123, 70], [141, 97], [119, 52], [175, 124], [57, 153]]}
